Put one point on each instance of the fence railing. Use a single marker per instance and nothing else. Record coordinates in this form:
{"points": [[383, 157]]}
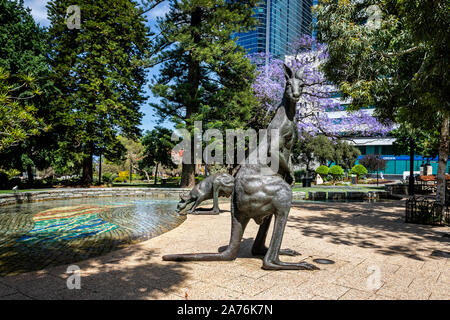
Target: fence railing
{"points": [[425, 210]]}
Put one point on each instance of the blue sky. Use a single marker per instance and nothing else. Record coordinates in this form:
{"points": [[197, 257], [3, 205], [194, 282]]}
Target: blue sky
{"points": [[39, 12]]}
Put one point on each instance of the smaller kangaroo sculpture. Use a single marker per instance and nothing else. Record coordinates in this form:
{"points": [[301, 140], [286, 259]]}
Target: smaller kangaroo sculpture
{"points": [[212, 187]]}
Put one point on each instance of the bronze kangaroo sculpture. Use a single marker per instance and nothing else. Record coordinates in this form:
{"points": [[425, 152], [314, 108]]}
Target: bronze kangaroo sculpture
{"points": [[260, 196], [212, 187]]}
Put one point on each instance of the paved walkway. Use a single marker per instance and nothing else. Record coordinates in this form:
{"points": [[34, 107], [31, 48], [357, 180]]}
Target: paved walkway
{"points": [[376, 256]]}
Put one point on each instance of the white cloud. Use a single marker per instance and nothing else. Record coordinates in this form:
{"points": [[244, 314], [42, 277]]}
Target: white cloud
{"points": [[38, 11], [159, 11]]}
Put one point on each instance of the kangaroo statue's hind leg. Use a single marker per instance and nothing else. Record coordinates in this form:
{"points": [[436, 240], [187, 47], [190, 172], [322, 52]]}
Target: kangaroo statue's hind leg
{"points": [[271, 260], [259, 246], [238, 224]]}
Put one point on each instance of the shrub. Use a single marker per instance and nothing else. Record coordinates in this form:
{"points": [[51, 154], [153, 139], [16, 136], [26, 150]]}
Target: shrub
{"points": [[322, 171], [174, 180], [359, 170], [336, 171], [121, 179], [8, 178], [108, 177], [4, 179], [140, 176], [15, 182], [47, 182], [123, 175], [199, 178], [299, 174]]}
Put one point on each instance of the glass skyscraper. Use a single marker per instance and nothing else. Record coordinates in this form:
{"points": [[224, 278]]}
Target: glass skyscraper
{"points": [[280, 23]]}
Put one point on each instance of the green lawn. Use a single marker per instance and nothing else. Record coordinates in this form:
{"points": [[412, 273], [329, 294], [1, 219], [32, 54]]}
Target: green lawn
{"points": [[338, 189], [24, 190]]}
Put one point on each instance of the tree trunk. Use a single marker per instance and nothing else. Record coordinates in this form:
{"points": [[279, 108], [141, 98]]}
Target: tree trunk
{"points": [[87, 168], [411, 190], [187, 175], [142, 170], [307, 169], [193, 80], [30, 175], [100, 170], [156, 173], [146, 175], [444, 146], [131, 171]]}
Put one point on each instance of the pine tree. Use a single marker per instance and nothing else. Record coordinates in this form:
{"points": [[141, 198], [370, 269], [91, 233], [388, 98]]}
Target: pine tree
{"points": [[27, 119], [99, 69], [204, 75]]}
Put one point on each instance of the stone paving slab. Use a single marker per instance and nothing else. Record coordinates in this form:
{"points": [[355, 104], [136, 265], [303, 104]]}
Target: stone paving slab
{"points": [[376, 256]]}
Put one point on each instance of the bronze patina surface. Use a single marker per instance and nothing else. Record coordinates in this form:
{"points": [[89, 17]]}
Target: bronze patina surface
{"points": [[260, 193]]}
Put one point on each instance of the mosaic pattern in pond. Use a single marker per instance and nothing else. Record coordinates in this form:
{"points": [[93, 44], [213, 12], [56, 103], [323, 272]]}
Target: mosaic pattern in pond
{"points": [[36, 235]]}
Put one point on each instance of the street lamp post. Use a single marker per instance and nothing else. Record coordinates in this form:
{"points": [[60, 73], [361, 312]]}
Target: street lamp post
{"points": [[131, 170], [378, 166], [100, 170], [411, 166]]}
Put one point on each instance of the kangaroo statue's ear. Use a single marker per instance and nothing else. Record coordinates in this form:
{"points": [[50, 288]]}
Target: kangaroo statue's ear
{"points": [[287, 71], [299, 74]]}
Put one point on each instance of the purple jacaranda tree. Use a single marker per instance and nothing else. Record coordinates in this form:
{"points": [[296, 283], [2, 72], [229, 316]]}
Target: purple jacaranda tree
{"points": [[306, 55]]}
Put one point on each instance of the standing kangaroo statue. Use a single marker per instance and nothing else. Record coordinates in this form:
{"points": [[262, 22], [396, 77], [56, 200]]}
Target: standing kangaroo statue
{"points": [[260, 196]]}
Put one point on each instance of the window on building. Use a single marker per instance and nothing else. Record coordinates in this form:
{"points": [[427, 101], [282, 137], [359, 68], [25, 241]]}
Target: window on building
{"points": [[362, 149], [388, 150]]}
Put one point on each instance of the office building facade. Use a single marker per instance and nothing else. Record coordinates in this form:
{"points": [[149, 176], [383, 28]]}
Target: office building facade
{"points": [[397, 166], [280, 23]]}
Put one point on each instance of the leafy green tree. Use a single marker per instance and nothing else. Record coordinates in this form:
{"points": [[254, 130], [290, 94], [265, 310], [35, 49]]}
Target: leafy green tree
{"points": [[22, 44], [359, 170], [426, 143], [17, 117], [324, 150], [303, 151], [99, 70], [345, 154], [320, 148], [158, 147], [322, 171], [394, 57], [336, 172], [204, 75], [135, 153], [28, 111]]}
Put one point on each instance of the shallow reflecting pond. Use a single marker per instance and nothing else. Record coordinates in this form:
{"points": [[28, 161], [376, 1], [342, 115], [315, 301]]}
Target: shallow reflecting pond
{"points": [[40, 234]]}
